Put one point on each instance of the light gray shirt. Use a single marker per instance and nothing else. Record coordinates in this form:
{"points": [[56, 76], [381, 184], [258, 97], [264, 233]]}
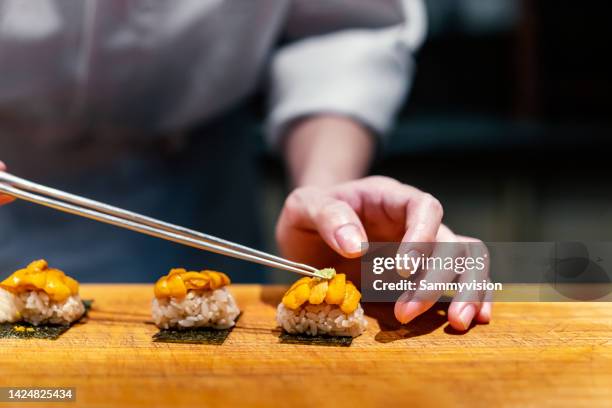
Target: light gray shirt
{"points": [[139, 67]]}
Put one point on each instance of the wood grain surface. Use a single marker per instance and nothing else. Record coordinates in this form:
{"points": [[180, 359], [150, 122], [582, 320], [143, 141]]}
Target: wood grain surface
{"points": [[532, 354]]}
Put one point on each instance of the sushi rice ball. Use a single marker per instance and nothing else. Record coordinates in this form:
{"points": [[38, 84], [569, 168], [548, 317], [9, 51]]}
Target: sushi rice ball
{"points": [[194, 299], [315, 306], [39, 295]]}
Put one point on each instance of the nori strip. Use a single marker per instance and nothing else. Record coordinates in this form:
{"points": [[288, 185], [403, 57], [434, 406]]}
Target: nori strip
{"points": [[87, 303], [321, 340], [198, 335], [195, 335], [28, 331], [23, 330]]}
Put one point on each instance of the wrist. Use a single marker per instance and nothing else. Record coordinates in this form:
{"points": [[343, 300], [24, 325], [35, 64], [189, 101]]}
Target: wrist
{"points": [[324, 150]]}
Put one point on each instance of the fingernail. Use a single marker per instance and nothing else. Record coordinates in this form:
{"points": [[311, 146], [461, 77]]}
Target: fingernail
{"points": [[467, 315], [408, 311], [349, 238]]}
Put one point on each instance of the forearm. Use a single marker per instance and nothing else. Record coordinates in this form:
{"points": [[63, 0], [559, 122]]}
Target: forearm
{"points": [[324, 150]]}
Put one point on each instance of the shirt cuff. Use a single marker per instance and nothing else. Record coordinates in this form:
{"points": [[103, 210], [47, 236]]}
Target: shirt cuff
{"points": [[363, 74]]}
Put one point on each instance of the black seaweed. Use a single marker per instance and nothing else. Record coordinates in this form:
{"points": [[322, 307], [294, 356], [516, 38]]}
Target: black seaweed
{"points": [[28, 331], [198, 335], [23, 330], [195, 335], [321, 340]]}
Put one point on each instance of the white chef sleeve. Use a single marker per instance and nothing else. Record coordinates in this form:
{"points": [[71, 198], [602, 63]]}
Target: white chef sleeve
{"points": [[362, 73]]}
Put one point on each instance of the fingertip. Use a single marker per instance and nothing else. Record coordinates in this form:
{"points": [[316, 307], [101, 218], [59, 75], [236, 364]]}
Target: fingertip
{"points": [[4, 199], [461, 315], [350, 241], [397, 311], [407, 311], [484, 315]]}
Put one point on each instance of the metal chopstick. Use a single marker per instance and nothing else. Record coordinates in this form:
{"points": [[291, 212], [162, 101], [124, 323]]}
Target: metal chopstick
{"points": [[73, 204]]}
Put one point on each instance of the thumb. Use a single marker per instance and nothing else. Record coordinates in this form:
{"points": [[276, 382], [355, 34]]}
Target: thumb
{"points": [[335, 220]]}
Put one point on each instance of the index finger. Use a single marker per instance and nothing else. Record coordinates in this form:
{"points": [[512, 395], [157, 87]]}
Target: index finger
{"points": [[422, 215]]}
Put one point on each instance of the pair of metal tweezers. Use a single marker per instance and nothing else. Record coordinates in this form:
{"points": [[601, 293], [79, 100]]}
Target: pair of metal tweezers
{"points": [[73, 204]]}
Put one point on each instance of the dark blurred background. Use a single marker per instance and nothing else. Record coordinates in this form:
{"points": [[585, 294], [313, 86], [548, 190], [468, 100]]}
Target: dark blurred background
{"points": [[508, 122]]}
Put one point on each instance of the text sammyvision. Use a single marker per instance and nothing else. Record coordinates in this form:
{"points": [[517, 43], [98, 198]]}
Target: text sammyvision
{"points": [[475, 267]]}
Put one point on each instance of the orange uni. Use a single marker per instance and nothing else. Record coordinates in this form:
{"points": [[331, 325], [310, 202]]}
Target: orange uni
{"points": [[336, 291], [179, 281], [38, 276]]}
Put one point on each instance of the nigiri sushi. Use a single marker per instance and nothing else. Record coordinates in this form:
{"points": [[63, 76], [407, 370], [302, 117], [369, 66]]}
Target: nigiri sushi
{"points": [[315, 306], [187, 299], [39, 295]]}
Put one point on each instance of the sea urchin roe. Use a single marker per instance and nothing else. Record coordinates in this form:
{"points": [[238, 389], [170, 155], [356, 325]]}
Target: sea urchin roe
{"points": [[179, 281], [351, 298], [318, 290], [38, 276], [337, 291]]}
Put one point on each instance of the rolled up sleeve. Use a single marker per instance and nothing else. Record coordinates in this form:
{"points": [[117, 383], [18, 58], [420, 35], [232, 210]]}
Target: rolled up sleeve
{"points": [[362, 73]]}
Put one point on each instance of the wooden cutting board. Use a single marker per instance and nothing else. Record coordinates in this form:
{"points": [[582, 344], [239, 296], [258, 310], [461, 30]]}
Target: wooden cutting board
{"points": [[532, 354]]}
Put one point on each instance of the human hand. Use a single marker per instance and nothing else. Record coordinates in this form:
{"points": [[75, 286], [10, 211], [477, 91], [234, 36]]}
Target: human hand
{"points": [[467, 305], [4, 199], [327, 226]]}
